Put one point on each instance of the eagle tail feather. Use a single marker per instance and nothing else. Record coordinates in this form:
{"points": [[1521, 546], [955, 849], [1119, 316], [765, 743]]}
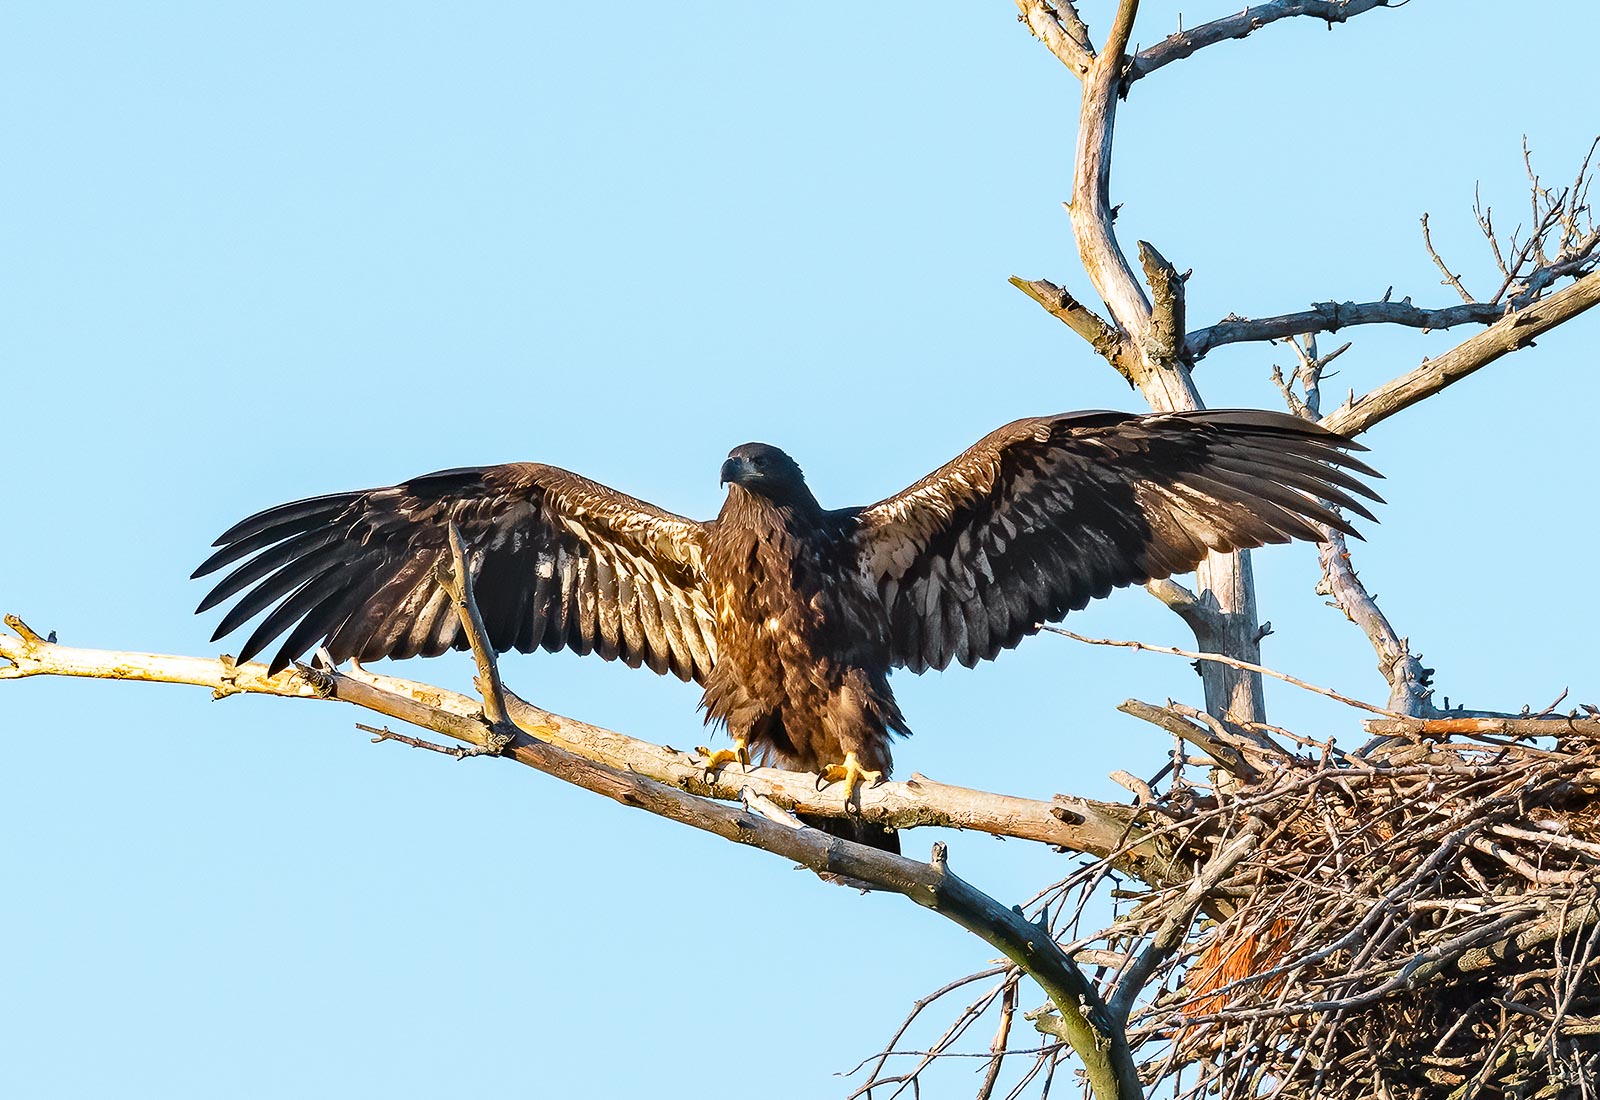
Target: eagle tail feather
{"points": [[856, 829]]}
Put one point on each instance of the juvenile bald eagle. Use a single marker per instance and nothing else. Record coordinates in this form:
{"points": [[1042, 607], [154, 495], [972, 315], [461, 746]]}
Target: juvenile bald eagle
{"points": [[788, 614]]}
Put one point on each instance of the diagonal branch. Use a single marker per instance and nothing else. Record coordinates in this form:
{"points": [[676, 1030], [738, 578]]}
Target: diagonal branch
{"points": [[1516, 330], [1106, 339], [1410, 684], [1097, 828], [1182, 44]]}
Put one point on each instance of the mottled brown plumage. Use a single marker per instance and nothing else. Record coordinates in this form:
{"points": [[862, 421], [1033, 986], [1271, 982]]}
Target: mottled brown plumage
{"points": [[790, 615]]}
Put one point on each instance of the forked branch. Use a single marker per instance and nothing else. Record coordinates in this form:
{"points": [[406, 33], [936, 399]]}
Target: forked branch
{"points": [[1082, 825]]}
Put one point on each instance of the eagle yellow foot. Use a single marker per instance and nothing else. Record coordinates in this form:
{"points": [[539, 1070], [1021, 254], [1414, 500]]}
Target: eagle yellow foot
{"points": [[715, 760], [851, 772]]}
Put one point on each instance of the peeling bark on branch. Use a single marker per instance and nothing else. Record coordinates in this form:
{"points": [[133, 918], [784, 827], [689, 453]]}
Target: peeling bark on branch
{"points": [[1080, 825], [1165, 342]]}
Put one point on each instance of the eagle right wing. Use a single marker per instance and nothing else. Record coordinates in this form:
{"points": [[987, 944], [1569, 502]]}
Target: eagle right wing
{"points": [[1041, 516], [557, 561]]}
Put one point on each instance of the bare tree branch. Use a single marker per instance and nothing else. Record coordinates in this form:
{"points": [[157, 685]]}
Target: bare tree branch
{"points": [[1333, 316], [1410, 684], [1201, 617], [1516, 330], [1104, 1051], [1107, 340], [1081, 825], [1450, 277], [1182, 44]]}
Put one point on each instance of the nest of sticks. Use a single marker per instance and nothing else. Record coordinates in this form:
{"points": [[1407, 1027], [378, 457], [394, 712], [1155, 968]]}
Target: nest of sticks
{"points": [[1418, 919]]}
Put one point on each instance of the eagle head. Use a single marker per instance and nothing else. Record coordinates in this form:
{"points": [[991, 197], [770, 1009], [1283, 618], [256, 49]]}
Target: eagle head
{"points": [[762, 469]]}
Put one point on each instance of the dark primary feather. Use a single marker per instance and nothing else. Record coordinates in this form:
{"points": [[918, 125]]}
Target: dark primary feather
{"points": [[557, 560], [1045, 514]]}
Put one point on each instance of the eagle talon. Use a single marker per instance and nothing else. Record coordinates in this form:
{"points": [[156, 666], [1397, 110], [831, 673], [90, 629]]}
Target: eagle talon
{"points": [[714, 760], [852, 773]]}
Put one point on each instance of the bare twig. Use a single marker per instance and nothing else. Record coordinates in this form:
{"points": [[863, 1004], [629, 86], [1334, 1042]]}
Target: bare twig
{"points": [[1222, 658], [1002, 1037], [384, 733], [458, 583], [1450, 277]]}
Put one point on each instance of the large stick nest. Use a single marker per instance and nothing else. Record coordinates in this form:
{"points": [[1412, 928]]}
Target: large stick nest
{"points": [[1419, 920]]}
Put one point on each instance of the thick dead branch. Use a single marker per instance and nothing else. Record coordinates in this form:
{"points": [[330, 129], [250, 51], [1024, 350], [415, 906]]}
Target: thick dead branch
{"points": [[1185, 603], [1098, 828], [1514, 331], [1182, 44], [1108, 1063]]}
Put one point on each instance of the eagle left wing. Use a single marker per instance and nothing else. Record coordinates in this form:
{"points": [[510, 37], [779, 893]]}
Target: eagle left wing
{"points": [[1045, 514]]}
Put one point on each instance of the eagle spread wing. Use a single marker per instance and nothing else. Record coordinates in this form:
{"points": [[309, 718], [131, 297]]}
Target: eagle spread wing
{"points": [[1045, 514], [557, 561]]}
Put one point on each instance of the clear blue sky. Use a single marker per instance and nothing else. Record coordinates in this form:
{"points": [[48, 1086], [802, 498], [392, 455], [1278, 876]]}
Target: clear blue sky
{"points": [[252, 254]]}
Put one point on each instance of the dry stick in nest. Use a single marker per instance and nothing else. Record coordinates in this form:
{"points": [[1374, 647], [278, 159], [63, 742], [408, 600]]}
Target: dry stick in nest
{"points": [[1413, 956]]}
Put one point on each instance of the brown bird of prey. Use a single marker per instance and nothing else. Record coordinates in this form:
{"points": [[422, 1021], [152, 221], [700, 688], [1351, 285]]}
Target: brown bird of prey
{"points": [[790, 615]]}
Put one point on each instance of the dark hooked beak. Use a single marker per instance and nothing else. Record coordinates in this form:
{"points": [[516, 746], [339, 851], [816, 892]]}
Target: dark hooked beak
{"points": [[734, 470]]}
